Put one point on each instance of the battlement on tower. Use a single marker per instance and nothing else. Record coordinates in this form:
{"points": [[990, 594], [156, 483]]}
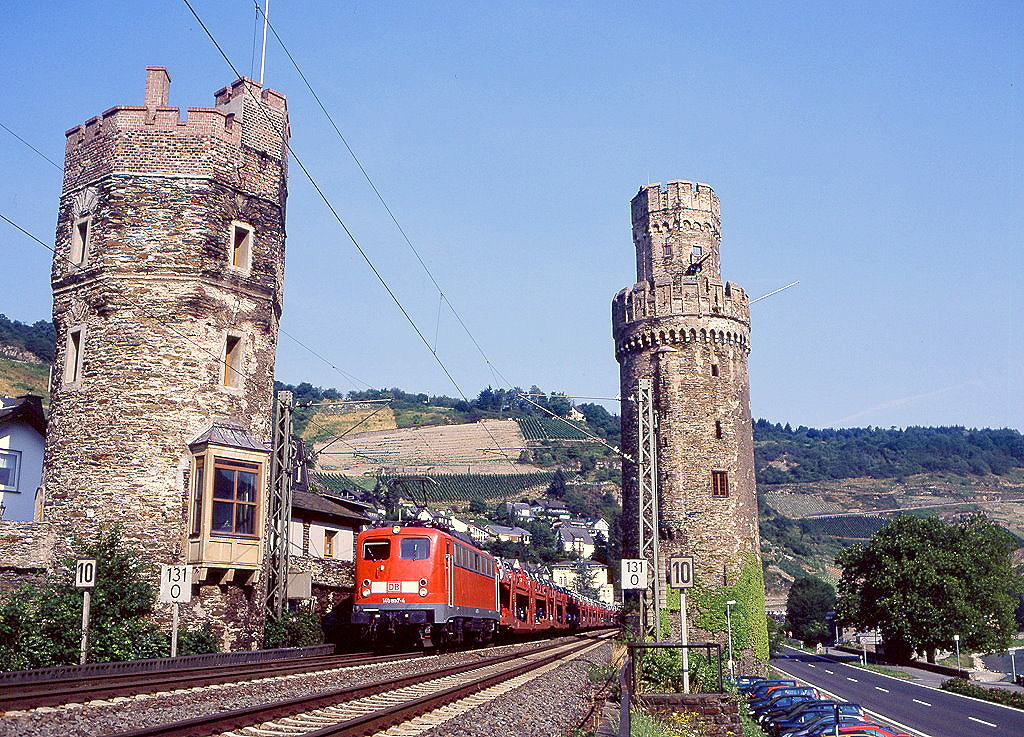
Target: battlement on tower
{"points": [[693, 298], [677, 193], [245, 116]]}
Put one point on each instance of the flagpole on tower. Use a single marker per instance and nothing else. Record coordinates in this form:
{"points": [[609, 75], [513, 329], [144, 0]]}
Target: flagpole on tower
{"points": [[263, 53]]}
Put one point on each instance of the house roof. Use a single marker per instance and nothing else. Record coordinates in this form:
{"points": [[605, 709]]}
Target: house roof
{"points": [[321, 505], [575, 535], [590, 563], [27, 408], [230, 434], [503, 530]]}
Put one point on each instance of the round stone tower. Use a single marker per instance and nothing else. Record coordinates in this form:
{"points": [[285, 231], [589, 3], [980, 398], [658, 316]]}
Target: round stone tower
{"points": [[688, 332], [167, 288]]}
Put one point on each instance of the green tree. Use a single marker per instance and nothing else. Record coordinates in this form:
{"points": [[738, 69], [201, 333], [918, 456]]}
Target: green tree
{"points": [[556, 489], [921, 581], [810, 600]]}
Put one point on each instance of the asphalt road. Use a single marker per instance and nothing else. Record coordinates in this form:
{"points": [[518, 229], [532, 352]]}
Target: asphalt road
{"points": [[909, 706]]}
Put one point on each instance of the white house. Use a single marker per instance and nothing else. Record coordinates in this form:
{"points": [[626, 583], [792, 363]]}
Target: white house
{"points": [[567, 573], [22, 436], [509, 534]]}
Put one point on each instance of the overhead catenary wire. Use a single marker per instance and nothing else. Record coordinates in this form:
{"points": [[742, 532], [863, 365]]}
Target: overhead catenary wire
{"points": [[337, 216], [443, 297], [221, 360]]}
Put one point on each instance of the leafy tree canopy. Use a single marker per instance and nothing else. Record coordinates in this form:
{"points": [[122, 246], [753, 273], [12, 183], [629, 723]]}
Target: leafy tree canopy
{"points": [[808, 605], [784, 455], [923, 580]]}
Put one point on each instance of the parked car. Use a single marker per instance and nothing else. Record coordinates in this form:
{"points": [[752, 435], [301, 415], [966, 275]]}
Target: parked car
{"points": [[771, 699], [861, 730], [821, 725], [759, 706], [782, 706], [745, 684], [762, 688], [808, 712]]}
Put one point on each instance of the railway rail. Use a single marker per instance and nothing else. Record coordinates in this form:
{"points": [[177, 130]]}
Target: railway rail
{"points": [[79, 688], [370, 708]]}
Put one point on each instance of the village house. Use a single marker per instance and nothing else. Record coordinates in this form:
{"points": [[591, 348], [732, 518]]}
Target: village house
{"points": [[22, 437]]}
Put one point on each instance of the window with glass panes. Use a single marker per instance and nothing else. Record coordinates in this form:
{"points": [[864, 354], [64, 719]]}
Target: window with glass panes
{"points": [[234, 497], [197, 498]]}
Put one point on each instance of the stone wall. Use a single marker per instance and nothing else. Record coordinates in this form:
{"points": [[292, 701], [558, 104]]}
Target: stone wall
{"points": [[155, 299], [717, 714], [26, 552]]}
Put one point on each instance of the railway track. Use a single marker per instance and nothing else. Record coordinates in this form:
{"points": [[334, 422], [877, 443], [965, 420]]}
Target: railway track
{"points": [[371, 708], [80, 689]]}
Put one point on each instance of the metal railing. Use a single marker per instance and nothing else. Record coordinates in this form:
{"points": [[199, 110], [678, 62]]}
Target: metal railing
{"points": [[627, 675]]}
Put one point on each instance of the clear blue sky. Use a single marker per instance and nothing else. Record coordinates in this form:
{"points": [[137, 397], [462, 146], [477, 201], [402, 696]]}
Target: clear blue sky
{"points": [[872, 150]]}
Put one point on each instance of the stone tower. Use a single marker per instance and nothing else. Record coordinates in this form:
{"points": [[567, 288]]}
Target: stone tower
{"points": [[687, 331], [167, 287]]}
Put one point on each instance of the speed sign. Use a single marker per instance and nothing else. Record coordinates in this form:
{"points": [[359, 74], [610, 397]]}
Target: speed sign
{"points": [[85, 574], [680, 572], [634, 573]]}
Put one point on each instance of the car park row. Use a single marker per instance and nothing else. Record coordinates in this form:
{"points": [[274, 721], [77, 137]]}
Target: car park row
{"points": [[783, 708]]}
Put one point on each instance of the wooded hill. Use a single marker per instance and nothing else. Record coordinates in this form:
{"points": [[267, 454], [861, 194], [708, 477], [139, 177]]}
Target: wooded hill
{"points": [[38, 338]]}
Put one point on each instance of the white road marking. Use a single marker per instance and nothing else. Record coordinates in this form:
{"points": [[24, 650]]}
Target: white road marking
{"points": [[811, 665], [982, 721], [830, 671], [852, 679], [922, 703], [879, 688]]}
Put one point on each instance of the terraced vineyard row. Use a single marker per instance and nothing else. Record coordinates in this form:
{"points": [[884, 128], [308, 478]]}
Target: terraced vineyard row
{"points": [[548, 428], [452, 487]]}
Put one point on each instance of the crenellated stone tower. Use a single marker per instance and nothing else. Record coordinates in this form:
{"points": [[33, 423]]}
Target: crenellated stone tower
{"points": [[167, 290], [687, 331]]}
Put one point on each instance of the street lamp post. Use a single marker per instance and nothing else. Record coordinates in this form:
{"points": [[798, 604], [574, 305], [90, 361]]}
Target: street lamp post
{"points": [[1013, 665], [728, 624], [956, 641]]}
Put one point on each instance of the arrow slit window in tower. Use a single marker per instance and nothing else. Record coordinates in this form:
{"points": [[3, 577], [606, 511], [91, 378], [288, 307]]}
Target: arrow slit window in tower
{"points": [[241, 245], [81, 234]]}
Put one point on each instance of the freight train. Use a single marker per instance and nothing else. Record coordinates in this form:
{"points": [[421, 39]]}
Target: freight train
{"points": [[428, 586]]}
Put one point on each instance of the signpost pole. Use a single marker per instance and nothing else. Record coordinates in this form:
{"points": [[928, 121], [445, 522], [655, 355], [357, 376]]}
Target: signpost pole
{"points": [[1013, 665], [174, 629], [684, 638], [85, 579], [680, 576], [86, 600], [175, 589]]}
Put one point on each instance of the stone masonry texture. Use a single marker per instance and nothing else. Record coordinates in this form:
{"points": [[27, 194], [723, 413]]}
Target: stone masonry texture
{"points": [[689, 332], [155, 299]]}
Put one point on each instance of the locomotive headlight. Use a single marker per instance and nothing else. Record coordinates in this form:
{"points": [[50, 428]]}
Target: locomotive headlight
{"points": [[366, 583], [423, 582], [365, 593], [396, 529], [423, 591]]}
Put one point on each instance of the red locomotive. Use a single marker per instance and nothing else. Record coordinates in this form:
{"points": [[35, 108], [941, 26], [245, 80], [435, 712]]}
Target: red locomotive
{"points": [[429, 586]]}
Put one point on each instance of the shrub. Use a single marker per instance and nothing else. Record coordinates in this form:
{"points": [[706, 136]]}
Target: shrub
{"points": [[998, 695], [294, 629]]}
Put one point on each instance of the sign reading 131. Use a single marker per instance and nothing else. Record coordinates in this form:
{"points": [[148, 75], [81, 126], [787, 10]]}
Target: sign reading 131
{"points": [[176, 584], [634, 573]]}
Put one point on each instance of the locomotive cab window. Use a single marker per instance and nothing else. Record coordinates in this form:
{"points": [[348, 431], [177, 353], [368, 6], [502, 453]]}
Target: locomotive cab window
{"points": [[414, 548], [376, 550]]}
